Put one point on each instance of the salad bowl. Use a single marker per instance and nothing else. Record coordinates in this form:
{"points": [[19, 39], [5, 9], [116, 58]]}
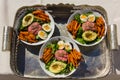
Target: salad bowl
{"points": [[86, 28], [35, 26], [58, 62]]}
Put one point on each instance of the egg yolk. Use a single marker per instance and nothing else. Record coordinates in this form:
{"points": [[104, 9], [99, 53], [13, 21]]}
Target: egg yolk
{"points": [[42, 34], [83, 16], [91, 18], [46, 27]]}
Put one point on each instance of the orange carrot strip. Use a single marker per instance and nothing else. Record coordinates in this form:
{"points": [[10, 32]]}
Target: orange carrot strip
{"points": [[99, 31], [78, 54], [102, 31], [24, 32], [38, 12], [21, 38], [71, 53], [68, 59], [72, 61], [49, 58]]}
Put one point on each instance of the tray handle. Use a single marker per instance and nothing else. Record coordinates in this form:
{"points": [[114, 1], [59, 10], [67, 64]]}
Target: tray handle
{"points": [[112, 37], [7, 38]]}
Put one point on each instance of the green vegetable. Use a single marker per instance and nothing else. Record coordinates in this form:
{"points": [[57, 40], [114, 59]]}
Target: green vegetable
{"points": [[68, 50], [71, 67], [22, 28], [98, 39], [77, 18], [96, 17], [81, 40], [35, 20], [29, 11], [88, 13], [37, 37], [39, 21], [68, 69], [48, 64], [79, 33], [54, 47]]}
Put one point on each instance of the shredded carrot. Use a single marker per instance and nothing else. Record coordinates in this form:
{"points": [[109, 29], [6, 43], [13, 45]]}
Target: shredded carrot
{"points": [[102, 31], [26, 36], [100, 26], [47, 55], [40, 14], [99, 31], [68, 59], [24, 32], [73, 27], [74, 57], [99, 21]]}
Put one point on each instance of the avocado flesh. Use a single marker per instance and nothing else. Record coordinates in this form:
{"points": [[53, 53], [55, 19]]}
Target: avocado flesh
{"points": [[27, 20], [57, 67], [89, 36]]}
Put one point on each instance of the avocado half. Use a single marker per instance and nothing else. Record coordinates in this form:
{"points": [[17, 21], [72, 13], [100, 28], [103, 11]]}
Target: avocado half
{"points": [[89, 36], [57, 67], [27, 19]]}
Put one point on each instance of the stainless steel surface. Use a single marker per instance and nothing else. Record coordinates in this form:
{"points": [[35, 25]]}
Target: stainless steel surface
{"points": [[97, 58], [14, 77], [112, 37], [97, 63], [7, 35]]}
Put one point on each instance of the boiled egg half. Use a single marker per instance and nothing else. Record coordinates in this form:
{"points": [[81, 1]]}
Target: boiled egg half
{"points": [[83, 17], [68, 46], [91, 18], [46, 27], [61, 44], [42, 34]]}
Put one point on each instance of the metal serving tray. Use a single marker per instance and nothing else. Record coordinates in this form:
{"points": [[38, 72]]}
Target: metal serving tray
{"points": [[25, 61]]}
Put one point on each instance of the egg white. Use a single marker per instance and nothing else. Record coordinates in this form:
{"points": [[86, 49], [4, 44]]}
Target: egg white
{"points": [[91, 18], [83, 17], [42, 34], [61, 44], [46, 27]]}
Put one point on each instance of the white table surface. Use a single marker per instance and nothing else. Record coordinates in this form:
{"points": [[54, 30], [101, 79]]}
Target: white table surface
{"points": [[9, 8]]}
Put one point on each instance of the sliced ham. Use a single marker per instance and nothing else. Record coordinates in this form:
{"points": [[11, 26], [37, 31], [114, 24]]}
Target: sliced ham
{"points": [[88, 26], [61, 55], [34, 28]]}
